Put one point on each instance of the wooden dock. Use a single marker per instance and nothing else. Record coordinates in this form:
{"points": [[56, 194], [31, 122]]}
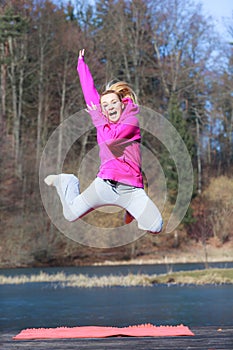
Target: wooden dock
{"points": [[205, 338]]}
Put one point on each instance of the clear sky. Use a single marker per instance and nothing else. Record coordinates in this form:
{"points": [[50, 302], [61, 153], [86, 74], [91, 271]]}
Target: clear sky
{"points": [[218, 9]]}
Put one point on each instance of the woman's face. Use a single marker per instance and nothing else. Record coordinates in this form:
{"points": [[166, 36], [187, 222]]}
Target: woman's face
{"points": [[112, 106]]}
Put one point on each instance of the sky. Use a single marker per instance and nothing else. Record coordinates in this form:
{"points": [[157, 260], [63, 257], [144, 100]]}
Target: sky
{"points": [[219, 9]]}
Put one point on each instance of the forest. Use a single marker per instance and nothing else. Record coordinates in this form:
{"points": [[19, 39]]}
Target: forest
{"points": [[178, 65]]}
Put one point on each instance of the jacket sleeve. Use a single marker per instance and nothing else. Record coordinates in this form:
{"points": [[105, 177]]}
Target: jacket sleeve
{"points": [[123, 134], [127, 129], [90, 92]]}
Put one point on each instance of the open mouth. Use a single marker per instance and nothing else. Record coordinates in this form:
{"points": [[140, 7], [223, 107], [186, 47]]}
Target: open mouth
{"points": [[112, 114]]}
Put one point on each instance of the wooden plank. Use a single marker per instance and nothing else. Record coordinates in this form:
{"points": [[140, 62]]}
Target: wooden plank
{"points": [[205, 338]]}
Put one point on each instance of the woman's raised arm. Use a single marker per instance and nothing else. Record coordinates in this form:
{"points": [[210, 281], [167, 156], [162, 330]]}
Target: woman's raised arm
{"points": [[90, 92]]}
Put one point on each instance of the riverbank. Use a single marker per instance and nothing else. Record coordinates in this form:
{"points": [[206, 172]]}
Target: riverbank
{"points": [[194, 253]]}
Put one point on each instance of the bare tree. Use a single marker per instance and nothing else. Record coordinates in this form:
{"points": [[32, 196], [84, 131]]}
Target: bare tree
{"points": [[182, 44], [124, 53], [17, 45]]}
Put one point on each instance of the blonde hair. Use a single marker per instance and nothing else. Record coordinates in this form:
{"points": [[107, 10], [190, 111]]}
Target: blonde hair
{"points": [[122, 89]]}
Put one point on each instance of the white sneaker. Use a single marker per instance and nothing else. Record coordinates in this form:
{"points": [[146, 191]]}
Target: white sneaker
{"points": [[67, 186], [49, 180]]}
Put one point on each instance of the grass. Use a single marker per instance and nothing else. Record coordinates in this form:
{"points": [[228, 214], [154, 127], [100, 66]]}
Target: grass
{"points": [[198, 277]]}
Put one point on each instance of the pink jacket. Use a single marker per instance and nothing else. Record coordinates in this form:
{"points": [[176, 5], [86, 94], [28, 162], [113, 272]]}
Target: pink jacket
{"points": [[119, 142]]}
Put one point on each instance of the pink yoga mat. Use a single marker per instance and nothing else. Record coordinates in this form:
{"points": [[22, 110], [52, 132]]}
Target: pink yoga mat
{"points": [[145, 330]]}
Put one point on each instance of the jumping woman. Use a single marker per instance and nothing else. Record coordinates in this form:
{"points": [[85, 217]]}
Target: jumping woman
{"points": [[119, 181]]}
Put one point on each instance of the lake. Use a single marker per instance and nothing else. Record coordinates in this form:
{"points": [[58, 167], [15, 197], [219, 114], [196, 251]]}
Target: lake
{"points": [[51, 305]]}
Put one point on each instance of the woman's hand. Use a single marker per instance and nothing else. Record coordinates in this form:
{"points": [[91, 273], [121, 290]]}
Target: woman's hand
{"points": [[95, 112], [81, 53], [91, 107]]}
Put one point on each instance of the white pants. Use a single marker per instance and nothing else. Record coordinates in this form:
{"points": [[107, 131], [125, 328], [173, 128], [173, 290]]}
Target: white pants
{"points": [[104, 192]]}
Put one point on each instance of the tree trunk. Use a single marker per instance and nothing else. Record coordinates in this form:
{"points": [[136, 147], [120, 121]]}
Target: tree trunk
{"points": [[230, 139], [161, 70], [40, 104], [62, 113], [16, 115], [199, 167], [3, 88], [20, 102]]}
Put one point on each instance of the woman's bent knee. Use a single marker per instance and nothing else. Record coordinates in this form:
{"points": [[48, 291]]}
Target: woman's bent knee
{"points": [[157, 228], [153, 228]]}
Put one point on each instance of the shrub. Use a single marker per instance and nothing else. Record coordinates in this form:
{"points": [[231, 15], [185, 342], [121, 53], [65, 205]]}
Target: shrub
{"points": [[219, 198]]}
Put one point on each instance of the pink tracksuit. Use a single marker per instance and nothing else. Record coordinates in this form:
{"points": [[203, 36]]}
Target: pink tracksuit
{"points": [[120, 157], [119, 180]]}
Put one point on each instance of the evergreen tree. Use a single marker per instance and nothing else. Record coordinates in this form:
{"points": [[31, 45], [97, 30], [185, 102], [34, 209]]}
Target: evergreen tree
{"points": [[175, 116]]}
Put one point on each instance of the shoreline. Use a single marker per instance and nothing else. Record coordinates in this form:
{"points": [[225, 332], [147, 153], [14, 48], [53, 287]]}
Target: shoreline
{"points": [[159, 262], [142, 261], [195, 253]]}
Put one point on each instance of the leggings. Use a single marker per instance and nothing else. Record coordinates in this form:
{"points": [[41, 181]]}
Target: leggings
{"points": [[106, 192]]}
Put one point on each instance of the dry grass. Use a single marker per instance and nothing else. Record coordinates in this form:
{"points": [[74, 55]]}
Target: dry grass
{"points": [[198, 277]]}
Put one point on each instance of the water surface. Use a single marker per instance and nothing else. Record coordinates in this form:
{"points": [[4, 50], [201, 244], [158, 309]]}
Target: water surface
{"points": [[51, 305]]}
